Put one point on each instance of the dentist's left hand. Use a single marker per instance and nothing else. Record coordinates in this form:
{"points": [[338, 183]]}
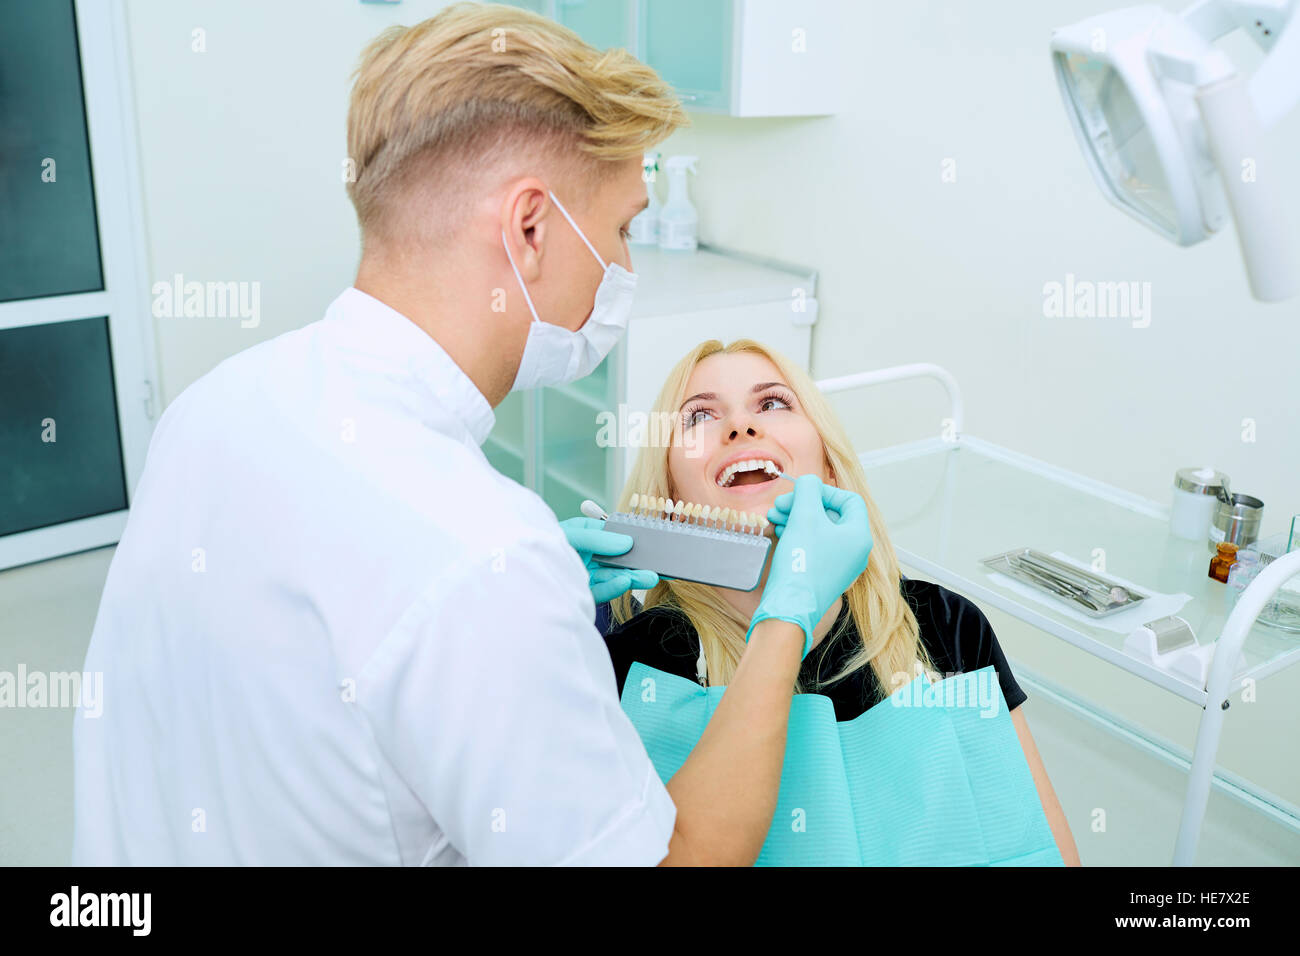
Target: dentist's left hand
{"points": [[587, 537]]}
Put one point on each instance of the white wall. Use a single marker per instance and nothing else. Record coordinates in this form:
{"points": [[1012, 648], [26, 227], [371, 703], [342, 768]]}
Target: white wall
{"points": [[242, 150]]}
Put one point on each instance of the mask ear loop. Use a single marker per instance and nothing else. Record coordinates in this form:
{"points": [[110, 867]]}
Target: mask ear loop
{"points": [[518, 278], [558, 206]]}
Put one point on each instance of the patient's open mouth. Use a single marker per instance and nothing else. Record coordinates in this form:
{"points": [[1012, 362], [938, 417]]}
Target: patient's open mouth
{"points": [[749, 471]]}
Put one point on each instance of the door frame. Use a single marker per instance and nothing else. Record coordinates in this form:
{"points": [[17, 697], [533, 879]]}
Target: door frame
{"points": [[115, 172]]}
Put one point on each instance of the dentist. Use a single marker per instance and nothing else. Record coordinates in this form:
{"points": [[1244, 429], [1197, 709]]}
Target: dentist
{"points": [[332, 633]]}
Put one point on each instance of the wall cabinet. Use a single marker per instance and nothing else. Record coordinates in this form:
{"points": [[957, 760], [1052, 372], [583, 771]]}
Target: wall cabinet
{"points": [[734, 57]]}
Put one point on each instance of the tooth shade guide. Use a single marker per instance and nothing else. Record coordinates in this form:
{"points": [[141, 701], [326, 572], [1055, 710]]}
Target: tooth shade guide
{"points": [[691, 541]]}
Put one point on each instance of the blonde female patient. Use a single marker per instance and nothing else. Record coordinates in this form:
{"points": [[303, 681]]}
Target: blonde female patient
{"points": [[744, 401]]}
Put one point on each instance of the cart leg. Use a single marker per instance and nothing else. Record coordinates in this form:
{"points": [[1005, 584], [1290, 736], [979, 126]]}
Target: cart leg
{"points": [[1218, 690], [1198, 782]]}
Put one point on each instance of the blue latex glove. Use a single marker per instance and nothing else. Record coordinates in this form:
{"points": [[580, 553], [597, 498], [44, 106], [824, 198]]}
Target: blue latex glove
{"points": [[587, 537], [823, 543]]}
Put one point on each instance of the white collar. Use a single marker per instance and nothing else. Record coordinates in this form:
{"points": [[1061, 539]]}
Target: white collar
{"points": [[384, 331]]}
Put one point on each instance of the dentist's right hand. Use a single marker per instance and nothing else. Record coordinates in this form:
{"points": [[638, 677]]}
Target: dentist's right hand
{"points": [[823, 543]]}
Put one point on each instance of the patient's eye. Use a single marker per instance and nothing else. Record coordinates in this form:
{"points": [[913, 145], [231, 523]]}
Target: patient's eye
{"points": [[690, 417], [775, 398]]}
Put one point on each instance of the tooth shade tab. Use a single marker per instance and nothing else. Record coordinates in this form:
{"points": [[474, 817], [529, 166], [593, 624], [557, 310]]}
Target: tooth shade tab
{"points": [[711, 517]]}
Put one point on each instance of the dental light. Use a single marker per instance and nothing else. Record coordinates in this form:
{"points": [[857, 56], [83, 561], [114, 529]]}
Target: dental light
{"points": [[1173, 132]]}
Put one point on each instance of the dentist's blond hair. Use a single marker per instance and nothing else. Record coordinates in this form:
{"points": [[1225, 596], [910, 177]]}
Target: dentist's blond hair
{"points": [[887, 626], [452, 95]]}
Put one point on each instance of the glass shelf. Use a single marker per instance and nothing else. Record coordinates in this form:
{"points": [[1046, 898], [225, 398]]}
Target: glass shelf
{"points": [[948, 505]]}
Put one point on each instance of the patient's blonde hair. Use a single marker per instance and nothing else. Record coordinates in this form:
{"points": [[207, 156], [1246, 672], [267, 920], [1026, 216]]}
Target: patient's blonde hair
{"points": [[460, 89], [886, 624]]}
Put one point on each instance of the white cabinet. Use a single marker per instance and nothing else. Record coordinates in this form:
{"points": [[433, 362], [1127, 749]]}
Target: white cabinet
{"points": [[736, 57], [548, 439]]}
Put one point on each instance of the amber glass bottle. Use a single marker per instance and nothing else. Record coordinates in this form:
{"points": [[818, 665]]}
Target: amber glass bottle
{"points": [[1221, 563]]}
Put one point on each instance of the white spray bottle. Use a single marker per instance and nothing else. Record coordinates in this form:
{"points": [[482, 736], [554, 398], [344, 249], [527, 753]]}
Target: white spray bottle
{"points": [[679, 225], [644, 228]]}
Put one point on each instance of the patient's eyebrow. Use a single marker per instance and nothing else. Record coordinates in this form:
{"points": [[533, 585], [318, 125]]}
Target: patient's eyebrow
{"points": [[713, 396], [707, 396]]}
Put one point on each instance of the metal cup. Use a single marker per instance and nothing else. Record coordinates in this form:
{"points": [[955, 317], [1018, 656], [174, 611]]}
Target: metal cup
{"points": [[1237, 523]]}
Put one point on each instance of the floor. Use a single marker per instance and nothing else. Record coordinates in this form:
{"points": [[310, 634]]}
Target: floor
{"points": [[1122, 805]]}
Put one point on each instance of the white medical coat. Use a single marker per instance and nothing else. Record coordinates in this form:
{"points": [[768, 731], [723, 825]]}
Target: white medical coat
{"points": [[332, 633]]}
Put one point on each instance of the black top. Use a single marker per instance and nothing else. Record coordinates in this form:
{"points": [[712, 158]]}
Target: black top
{"points": [[952, 628]]}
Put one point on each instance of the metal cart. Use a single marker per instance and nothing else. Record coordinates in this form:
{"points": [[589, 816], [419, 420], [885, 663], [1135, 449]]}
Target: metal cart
{"points": [[953, 499]]}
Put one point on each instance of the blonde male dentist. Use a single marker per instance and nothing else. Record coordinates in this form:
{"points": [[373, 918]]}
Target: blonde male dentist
{"points": [[332, 633]]}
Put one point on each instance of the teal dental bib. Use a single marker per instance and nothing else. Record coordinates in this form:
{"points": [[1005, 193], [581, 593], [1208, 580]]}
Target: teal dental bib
{"points": [[934, 775]]}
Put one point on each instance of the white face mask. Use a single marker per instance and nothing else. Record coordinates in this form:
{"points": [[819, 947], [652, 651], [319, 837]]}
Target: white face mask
{"points": [[554, 355]]}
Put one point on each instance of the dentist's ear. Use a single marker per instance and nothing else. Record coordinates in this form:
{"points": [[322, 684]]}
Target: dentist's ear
{"points": [[523, 219]]}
